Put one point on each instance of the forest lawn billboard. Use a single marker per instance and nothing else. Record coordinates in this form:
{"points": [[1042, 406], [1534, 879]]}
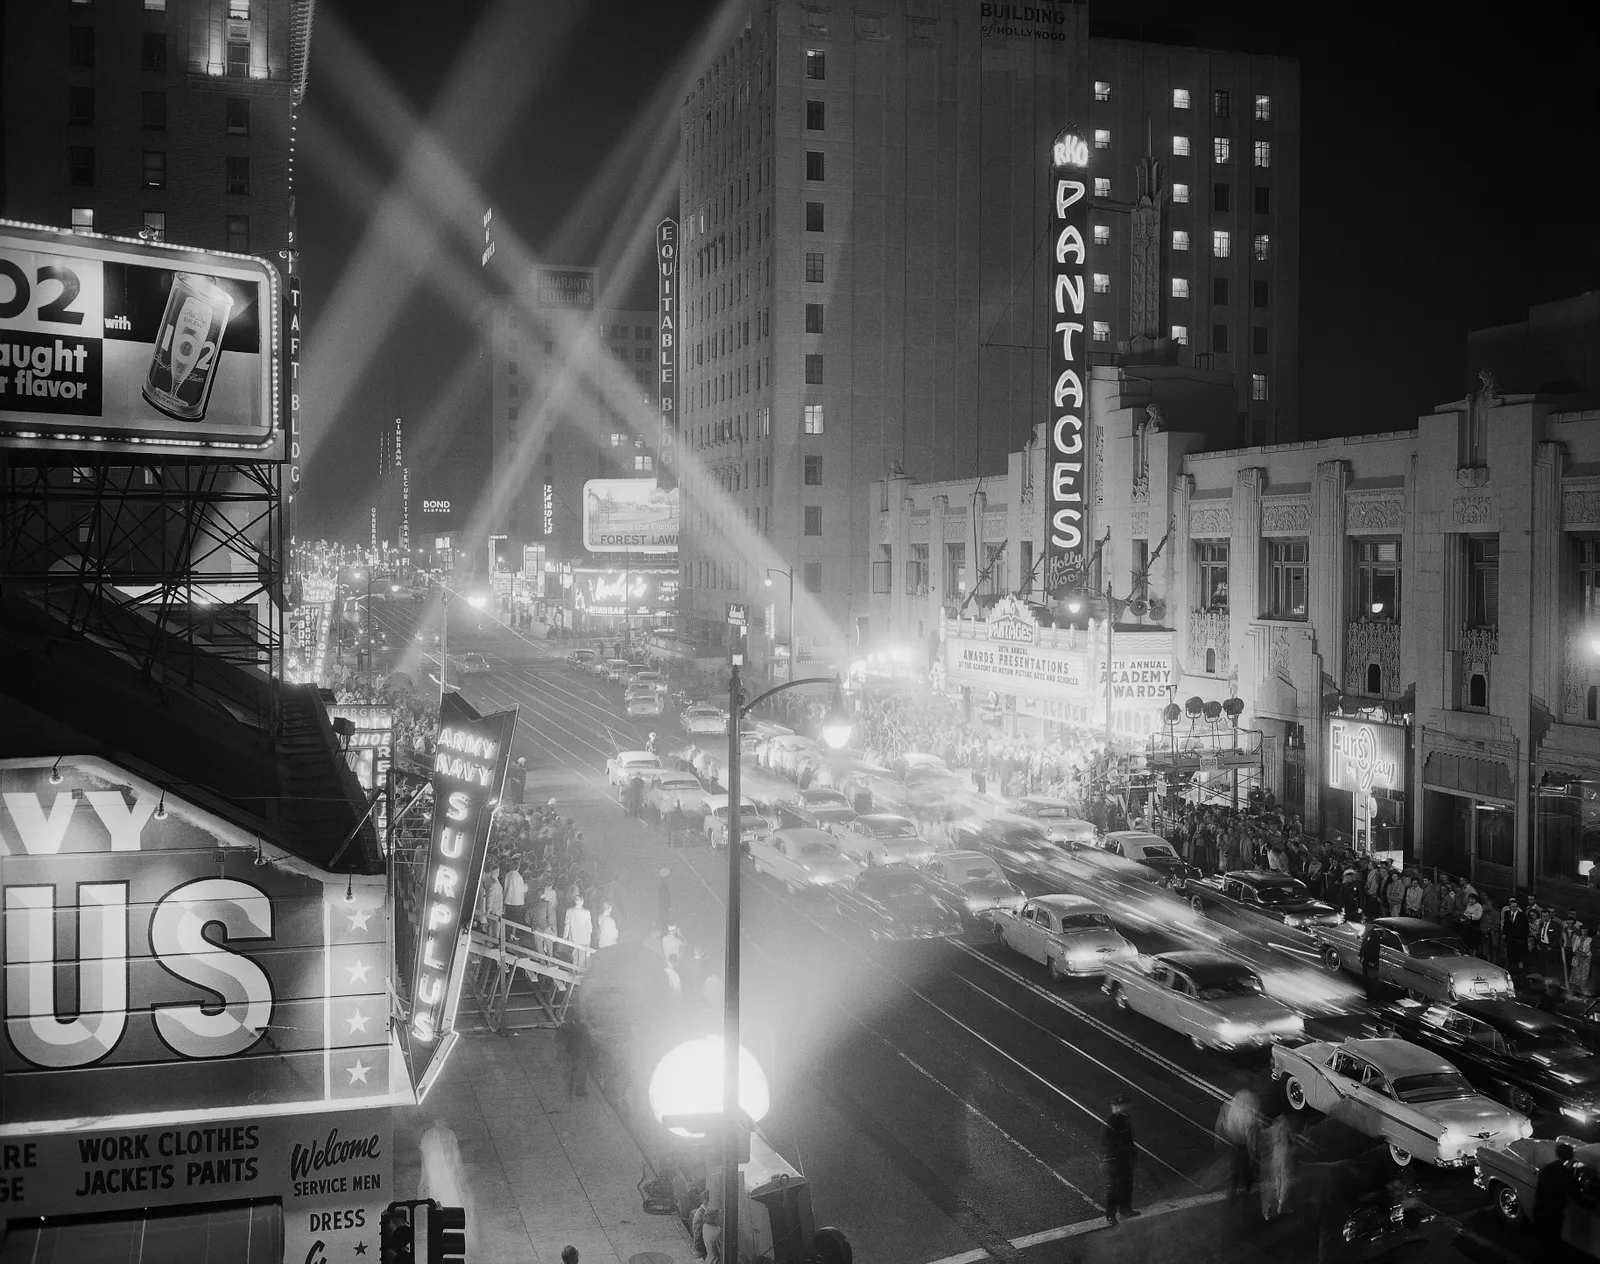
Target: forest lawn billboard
{"points": [[124, 346], [629, 515]]}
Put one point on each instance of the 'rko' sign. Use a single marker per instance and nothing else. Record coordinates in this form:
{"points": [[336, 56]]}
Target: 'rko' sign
{"points": [[1069, 360]]}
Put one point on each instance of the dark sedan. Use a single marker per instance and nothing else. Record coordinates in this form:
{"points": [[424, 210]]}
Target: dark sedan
{"points": [[1261, 893], [1514, 1053], [818, 808], [898, 904]]}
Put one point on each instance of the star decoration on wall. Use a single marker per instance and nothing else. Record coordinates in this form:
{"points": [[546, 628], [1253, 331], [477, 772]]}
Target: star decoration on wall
{"points": [[359, 1072], [358, 1022], [358, 972], [360, 917], [361, 1248]]}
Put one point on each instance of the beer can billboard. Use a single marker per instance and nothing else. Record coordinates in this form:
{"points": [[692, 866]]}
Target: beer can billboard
{"points": [[124, 346]]}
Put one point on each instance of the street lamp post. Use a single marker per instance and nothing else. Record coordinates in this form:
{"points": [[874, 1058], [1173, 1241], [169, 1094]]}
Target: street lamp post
{"points": [[789, 575], [835, 732]]}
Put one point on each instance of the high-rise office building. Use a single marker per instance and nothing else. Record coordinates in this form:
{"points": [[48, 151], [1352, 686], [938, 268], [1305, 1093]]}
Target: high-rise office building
{"points": [[865, 264], [174, 119]]}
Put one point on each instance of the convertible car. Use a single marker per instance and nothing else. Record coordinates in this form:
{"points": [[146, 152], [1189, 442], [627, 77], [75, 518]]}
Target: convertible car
{"points": [[1258, 893], [1399, 1093], [1422, 958], [1067, 934], [1214, 1000]]}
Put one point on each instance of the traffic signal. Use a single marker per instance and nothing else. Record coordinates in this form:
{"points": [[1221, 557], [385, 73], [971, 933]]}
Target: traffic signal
{"points": [[447, 1235], [396, 1238]]}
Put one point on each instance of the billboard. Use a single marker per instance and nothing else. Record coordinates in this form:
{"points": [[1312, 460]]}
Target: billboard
{"points": [[163, 962], [616, 593], [564, 289], [1069, 363], [667, 352], [1363, 756], [629, 515], [123, 346], [469, 770]]}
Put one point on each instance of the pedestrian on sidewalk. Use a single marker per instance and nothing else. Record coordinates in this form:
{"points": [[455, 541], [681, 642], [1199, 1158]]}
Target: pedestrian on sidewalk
{"points": [[1237, 1124], [697, 1222], [577, 1046], [569, 1255], [711, 1235], [1371, 956], [605, 930], [516, 893], [672, 943], [1117, 1151], [664, 900], [579, 926], [1277, 1167]]}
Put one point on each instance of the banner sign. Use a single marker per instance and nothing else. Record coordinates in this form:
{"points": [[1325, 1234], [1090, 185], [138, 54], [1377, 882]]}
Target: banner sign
{"points": [[1363, 756], [629, 515], [333, 1172], [469, 771], [667, 352], [566, 289], [159, 959], [121, 346], [614, 594], [1069, 363]]}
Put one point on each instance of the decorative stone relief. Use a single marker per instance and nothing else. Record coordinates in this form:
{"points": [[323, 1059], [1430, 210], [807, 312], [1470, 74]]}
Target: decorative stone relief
{"points": [[885, 527], [1139, 522], [1472, 475], [1361, 514], [1208, 630], [994, 525], [1472, 511], [919, 530], [955, 528], [1212, 520], [1367, 642], [1278, 652], [1580, 508], [1285, 516], [1478, 646], [1098, 483]]}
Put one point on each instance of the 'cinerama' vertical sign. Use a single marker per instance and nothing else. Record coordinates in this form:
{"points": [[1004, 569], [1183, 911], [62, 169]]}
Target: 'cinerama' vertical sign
{"points": [[1069, 361]]}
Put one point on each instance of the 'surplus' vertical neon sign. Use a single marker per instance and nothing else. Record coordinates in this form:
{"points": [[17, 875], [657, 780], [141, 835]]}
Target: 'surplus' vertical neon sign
{"points": [[667, 353], [1069, 361]]}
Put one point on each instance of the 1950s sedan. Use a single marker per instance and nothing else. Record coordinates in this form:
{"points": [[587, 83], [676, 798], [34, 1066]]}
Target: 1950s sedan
{"points": [[1421, 957], [1399, 1093], [1509, 1174], [1067, 934], [1214, 1000], [1258, 893]]}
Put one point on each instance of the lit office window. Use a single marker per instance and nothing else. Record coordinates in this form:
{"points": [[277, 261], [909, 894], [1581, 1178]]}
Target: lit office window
{"points": [[1263, 247], [1221, 149], [1263, 109], [1180, 287], [1102, 186], [1180, 193], [1221, 244], [1102, 90], [83, 218], [1102, 234], [1180, 98], [1258, 386], [1263, 153], [1102, 331], [1102, 138], [1180, 239], [1180, 146], [813, 420], [1102, 283], [1180, 335]]}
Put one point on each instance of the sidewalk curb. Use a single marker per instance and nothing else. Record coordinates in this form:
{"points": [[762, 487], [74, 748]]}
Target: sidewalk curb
{"points": [[1063, 1232]]}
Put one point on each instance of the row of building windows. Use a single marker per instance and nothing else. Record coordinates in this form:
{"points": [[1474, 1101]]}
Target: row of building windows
{"points": [[236, 227], [1222, 243], [1220, 340], [153, 169], [1221, 150], [719, 575], [153, 111], [1221, 101]]}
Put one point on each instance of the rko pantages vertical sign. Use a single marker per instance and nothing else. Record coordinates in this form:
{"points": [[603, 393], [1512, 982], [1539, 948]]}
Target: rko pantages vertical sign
{"points": [[1069, 361], [667, 352], [469, 771]]}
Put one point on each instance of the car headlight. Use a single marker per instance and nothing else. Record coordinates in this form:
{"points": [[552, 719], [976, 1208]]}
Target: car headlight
{"points": [[1525, 1128], [1233, 1032], [1578, 1114]]}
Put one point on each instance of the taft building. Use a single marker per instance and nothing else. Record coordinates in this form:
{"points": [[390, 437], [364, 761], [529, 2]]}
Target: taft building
{"points": [[864, 274]]}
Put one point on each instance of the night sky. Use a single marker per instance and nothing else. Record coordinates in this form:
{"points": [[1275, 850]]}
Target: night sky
{"points": [[1449, 180]]}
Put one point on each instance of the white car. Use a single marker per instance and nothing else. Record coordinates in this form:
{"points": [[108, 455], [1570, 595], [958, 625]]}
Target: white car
{"points": [[1067, 934], [881, 838], [615, 669], [647, 702], [676, 791], [1214, 1000], [803, 858], [778, 752], [646, 680], [622, 766], [751, 823], [1397, 1092], [1057, 818], [703, 718]]}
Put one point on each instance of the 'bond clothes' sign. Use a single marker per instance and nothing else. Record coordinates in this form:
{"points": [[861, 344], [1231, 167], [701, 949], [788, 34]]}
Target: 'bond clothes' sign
{"points": [[123, 346], [332, 1171], [1363, 756], [469, 770], [156, 961], [667, 352], [1069, 363]]}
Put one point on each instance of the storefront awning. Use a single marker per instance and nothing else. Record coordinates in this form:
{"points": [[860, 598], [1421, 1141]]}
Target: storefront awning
{"points": [[222, 1233], [1478, 778]]}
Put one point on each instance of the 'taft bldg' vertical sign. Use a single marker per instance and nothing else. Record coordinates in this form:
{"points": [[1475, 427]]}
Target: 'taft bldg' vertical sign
{"points": [[1069, 362], [469, 772]]}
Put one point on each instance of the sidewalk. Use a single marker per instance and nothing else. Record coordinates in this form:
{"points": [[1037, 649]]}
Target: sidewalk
{"points": [[538, 1171]]}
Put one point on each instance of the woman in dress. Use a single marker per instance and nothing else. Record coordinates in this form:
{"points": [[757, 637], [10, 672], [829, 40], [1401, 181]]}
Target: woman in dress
{"points": [[1580, 952]]}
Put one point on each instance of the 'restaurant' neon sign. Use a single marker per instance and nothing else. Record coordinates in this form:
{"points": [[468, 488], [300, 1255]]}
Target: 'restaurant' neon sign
{"points": [[1069, 358], [469, 769]]}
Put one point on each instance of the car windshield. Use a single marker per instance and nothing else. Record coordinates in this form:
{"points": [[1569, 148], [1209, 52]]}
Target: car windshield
{"points": [[1223, 989], [643, 761], [1085, 921], [891, 829], [823, 798], [1158, 851], [978, 873], [1550, 1039], [1281, 893], [816, 850], [678, 783], [1436, 1086], [1440, 946]]}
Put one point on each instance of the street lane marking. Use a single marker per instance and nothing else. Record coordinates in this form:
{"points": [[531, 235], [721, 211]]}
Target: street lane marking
{"points": [[1166, 1064], [1062, 1232]]}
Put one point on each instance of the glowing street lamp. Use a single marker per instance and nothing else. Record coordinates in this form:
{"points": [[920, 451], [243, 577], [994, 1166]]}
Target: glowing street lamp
{"points": [[686, 1088], [477, 601]]}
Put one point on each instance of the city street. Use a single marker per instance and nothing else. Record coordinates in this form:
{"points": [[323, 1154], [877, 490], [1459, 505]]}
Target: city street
{"points": [[942, 1097]]}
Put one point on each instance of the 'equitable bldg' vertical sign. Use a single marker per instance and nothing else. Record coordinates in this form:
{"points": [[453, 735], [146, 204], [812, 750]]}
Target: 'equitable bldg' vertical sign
{"points": [[667, 352], [1069, 362]]}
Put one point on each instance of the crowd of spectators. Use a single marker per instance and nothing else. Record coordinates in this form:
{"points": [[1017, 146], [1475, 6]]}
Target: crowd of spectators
{"points": [[539, 875], [416, 717]]}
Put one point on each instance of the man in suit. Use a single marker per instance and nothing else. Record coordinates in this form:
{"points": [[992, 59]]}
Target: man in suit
{"points": [[1514, 934]]}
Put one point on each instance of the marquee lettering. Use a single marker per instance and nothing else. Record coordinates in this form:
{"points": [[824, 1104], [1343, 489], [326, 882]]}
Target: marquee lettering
{"points": [[1064, 544]]}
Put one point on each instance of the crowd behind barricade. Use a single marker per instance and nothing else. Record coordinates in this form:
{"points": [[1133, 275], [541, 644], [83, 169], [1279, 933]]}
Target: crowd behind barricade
{"points": [[416, 718], [540, 876]]}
